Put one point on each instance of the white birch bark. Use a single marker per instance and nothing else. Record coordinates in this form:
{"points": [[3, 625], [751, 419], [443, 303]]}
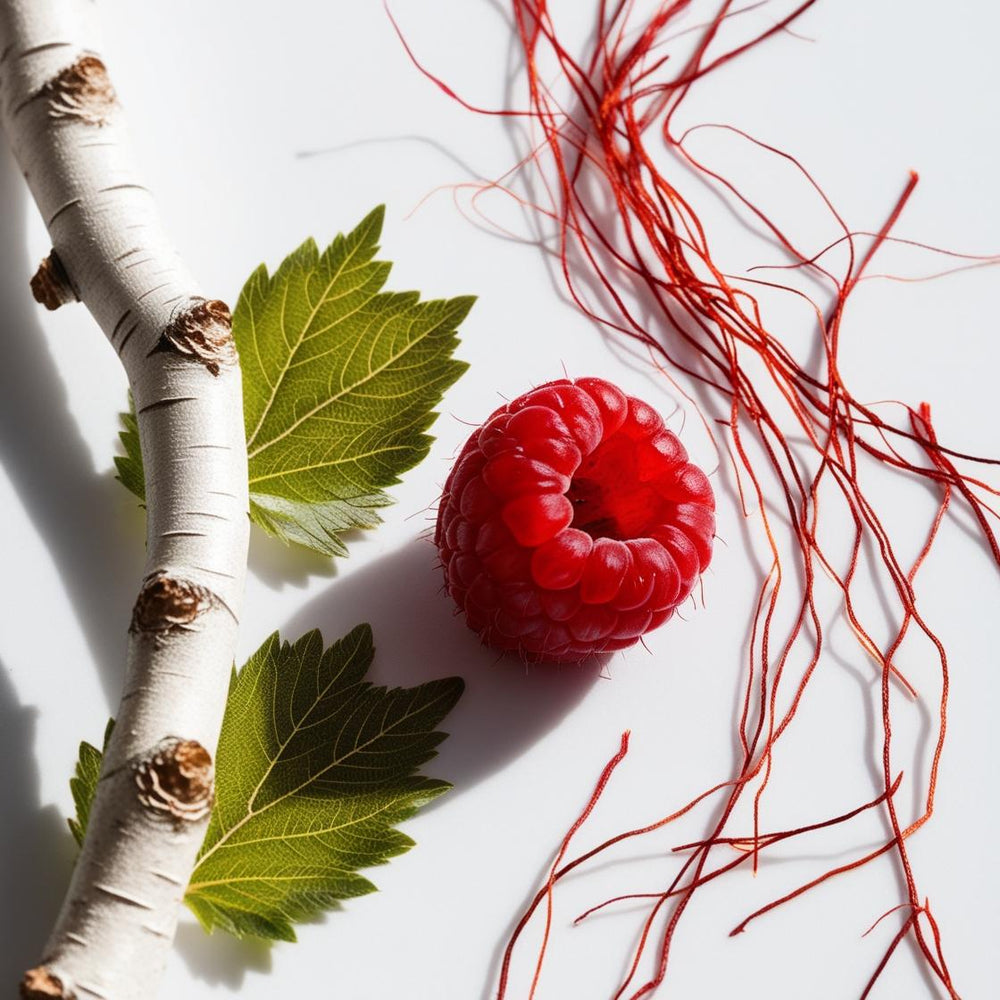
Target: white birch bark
{"points": [[66, 129]]}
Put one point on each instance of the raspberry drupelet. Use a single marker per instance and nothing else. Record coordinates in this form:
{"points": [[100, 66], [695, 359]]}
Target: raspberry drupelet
{"points": [[572, 523]]}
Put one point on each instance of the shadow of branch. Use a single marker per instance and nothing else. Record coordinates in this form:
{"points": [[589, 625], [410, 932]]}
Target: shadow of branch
{"points": [[36, 849], [92, 528]]}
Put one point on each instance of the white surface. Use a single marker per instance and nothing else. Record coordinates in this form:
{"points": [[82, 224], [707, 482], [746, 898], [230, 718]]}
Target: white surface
{"points": [[222, 99]]}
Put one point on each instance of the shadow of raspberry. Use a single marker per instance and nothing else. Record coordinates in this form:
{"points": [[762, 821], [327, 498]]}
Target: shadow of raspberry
{"points": [[506, 708], [507, 704]]}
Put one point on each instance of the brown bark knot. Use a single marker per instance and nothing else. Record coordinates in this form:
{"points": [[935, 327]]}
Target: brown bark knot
{"points": [[177, 780], [203, 330], [166, 604], [51, 285], [82, 91], [40, 984]]}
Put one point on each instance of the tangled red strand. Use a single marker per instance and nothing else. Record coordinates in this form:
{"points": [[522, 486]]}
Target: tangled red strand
{"points": [[621, 225]]}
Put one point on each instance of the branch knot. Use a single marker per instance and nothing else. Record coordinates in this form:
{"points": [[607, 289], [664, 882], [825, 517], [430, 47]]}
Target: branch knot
{"points": [[167, 604], [51, 285], [203, 330], [40, 984], [177, 779], [82, 91]]}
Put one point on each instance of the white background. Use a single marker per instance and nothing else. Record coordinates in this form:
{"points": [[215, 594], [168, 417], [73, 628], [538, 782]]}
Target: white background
{"points": [[224, 99]]}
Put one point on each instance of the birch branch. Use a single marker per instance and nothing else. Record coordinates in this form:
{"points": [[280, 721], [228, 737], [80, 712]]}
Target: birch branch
{"points": [[66, 129]]}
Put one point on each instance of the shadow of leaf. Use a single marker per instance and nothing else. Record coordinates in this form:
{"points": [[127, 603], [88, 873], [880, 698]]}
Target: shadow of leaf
{"points": [[218, 958]]}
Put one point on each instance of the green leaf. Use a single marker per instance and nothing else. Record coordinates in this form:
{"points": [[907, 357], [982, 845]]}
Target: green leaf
{"points": [[340, 381], [129, 465], [315, 525], [315, 768], [83, 784]]}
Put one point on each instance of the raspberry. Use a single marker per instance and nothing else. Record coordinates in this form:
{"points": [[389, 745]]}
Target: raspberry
{"points": [[572, 523]]}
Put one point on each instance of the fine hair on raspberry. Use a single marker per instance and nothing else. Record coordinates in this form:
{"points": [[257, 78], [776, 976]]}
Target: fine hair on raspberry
{"points": [[572, 523]]}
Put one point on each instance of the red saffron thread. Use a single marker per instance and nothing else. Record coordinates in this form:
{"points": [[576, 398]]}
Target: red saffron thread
{"points": [[546, 893], [622, 225]]}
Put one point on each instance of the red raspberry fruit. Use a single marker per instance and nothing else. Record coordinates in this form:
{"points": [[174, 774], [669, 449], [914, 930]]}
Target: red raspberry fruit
{"points": [[573, 523]]}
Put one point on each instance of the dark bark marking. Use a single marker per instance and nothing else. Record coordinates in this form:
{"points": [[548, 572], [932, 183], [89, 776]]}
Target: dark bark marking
{"points": [[166, 604], [51, 285], [177, 779], [110, 890], [171, 879], [217, 572], [125, 339], [151, 291], [65, 208], [40, 984], [121, 322], [82, 91], [124, 187], [43, 48], [202, 331], [161, 404]]}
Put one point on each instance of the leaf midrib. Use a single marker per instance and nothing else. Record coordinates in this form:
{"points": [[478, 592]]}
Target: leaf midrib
{"points": [[271, 762], [371, 374], [265, 878], [302, 334], [253, 814], [350, 459], [354, 821]]}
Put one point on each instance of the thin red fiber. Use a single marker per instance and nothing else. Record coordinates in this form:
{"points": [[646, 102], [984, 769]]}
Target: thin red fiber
{"points": [[555, 873], [607, 160]]}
